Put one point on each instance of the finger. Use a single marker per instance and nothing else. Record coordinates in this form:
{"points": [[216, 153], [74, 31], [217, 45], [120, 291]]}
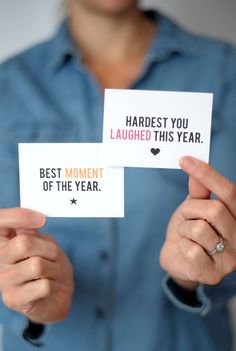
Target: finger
{"points": [[7, 233], [201, 268], [35, 233], [197, 190], [20, 218], [212, 180], [26, 231], [28, 270], [22, 247], [46, 237], [200, 232], [19, 297], [215, 213]]}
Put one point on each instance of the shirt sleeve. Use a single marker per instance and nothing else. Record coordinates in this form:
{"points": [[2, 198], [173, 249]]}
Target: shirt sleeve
{"points": [[34, 333], [204, 298], [191, 301], [20, 326]]}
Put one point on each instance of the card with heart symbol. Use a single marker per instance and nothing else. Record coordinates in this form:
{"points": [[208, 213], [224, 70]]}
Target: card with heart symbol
{"points": [[155, 128], [69, 180]]}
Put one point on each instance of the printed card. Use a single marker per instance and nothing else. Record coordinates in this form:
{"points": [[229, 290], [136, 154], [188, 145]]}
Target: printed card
{"points": [[155, 128], [69, 180]]}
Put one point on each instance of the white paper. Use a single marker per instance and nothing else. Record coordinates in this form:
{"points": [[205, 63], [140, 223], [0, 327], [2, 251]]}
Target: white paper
{"points": [[155, 128], [69, 180]]}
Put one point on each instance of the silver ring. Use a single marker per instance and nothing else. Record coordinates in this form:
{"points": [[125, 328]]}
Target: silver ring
{"points": [[220, 247]]}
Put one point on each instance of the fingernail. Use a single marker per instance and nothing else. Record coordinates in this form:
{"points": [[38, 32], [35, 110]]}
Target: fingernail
{"points": [[38, 219], [187, 162]]}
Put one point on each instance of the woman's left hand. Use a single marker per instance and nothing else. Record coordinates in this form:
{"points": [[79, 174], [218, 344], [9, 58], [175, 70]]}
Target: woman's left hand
{"points": [[200, 227]]}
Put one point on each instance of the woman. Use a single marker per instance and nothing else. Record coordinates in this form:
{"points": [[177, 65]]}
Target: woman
{"points": [[122, 298]]}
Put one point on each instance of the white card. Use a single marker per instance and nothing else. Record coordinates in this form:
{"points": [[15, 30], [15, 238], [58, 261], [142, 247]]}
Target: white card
{"points": [[69, 180], [155, 128]]}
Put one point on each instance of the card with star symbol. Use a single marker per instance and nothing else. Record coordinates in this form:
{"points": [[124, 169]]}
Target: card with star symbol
{"points": [[69, 180]]}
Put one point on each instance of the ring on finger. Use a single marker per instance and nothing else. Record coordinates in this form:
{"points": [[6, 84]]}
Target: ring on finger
{"points": [[220, 247]]}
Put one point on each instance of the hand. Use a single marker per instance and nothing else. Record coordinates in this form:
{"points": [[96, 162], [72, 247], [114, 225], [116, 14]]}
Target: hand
{"points": [[196, 226], [35, 275]]}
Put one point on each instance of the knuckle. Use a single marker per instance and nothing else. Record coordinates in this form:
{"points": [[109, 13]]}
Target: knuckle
{"points": [[199, 227], [216, 209], [194, 253], [55, 250], [46, 288], [23, 245], [184, 207], [8, 298], [37, 266]]}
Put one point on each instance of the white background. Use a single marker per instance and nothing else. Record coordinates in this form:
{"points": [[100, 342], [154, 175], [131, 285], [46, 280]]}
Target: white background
{"points": [[24, 22]]}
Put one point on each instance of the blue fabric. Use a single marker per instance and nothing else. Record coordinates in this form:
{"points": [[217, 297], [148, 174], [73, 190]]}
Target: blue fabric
{"points": [[47, 95], [202, 303]]}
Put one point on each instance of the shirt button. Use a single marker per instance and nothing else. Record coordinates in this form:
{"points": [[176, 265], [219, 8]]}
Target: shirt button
{"points": [[104, 256], [99, 312]]}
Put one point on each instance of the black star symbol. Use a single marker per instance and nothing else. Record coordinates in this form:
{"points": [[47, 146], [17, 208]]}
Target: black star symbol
{"points": [[73, 202]]}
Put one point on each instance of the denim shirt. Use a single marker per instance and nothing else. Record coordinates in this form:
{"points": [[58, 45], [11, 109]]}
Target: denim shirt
{"points": [[122, 301]]}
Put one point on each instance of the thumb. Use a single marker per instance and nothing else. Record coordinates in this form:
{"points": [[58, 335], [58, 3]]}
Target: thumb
{"points": [[12, 219], [197, 190]]}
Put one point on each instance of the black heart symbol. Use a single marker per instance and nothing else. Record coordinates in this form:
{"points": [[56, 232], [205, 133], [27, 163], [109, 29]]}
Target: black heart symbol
{"points": [[155, 151]]}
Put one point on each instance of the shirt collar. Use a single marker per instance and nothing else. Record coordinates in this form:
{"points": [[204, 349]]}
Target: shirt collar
{"points": [[62, 47], [169, 39]]}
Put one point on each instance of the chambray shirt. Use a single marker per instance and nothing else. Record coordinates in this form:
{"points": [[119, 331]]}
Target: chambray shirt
{"points": [[122, 301]]}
